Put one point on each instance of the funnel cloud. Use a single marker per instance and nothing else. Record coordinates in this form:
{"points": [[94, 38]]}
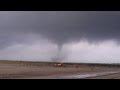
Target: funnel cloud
{"points": [[56, 32]]}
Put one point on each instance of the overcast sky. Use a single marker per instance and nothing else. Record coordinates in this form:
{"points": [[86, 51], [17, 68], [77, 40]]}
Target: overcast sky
{"points": [[85, 36]]}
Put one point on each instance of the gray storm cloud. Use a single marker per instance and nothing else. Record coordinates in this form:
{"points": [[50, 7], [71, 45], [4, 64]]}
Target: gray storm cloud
{"points": [[58, 27], [62, 26]]}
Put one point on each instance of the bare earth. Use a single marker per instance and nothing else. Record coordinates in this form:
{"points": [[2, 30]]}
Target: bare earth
{"points": [[18, 70]]}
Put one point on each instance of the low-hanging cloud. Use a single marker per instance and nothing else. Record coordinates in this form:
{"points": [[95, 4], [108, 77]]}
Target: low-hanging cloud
{"points": [[30, 47], [104, 52]]}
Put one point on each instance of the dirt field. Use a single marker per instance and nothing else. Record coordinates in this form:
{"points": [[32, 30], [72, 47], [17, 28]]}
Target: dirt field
{"points": [[26, 70], [111, 76]]}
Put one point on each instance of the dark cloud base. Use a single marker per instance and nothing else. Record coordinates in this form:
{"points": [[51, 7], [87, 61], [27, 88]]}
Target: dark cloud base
{"points": [[63, 26]]}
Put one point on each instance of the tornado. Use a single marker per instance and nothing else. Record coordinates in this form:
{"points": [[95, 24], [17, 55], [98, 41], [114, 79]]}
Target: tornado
{"points": [[23, 28]]}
